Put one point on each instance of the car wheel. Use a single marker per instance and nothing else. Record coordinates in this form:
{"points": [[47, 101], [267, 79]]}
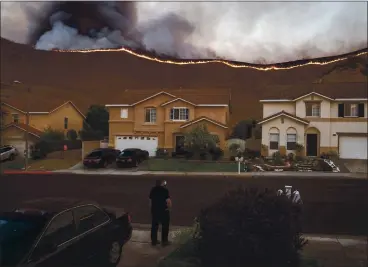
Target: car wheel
{"points": [[114, 254]]}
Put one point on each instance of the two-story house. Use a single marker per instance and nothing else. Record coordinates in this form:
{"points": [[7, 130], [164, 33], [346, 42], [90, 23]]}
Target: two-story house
{"points": [[333, 117], [159, 120], [14, 123]]}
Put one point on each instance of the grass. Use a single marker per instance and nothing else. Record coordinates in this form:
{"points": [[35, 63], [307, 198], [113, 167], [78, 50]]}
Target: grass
{"points": [[182, 165]]}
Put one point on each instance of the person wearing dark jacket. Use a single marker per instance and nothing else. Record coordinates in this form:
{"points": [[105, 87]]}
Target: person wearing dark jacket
{"points": [[160, 203]]}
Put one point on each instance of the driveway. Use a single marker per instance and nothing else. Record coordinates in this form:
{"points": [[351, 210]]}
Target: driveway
{"points": [[138, 252]]}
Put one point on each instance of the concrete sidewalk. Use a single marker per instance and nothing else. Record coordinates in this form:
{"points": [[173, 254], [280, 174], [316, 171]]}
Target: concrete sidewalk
{"points": [[327, 250], [223, 174]]}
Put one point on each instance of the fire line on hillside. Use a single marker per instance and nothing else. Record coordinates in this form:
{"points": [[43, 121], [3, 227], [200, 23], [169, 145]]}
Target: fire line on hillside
{"points": [[279, 66]]}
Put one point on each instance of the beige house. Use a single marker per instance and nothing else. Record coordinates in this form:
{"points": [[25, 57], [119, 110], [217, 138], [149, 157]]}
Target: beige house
{"points": [[323, 120]]}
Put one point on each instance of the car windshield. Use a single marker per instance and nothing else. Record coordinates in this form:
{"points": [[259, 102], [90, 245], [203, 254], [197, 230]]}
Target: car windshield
{"points": [[95, 154], [17, 235], [127, 153]]}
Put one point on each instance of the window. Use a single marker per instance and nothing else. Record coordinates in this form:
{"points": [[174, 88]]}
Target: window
{"points": [[351, 110], [89, 217], [65, 123], [124, 113], [290, 141], [179, 114], [274, 141], [15, 118], [150, 115], [313, 109], [60, 230]]}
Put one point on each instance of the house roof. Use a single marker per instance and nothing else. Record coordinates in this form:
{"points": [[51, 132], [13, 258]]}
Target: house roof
{"points": [[329, 90], [286, 114], [196, 97], [40, 109], [25, 128], [203, 118]]}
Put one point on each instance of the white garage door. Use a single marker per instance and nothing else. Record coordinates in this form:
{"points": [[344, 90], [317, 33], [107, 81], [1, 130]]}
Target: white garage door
{"points": [[20, 145], [143, 142], [353, 147]]}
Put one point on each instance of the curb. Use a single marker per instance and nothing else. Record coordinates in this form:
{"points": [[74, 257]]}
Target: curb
{"points": [[26, 172]]}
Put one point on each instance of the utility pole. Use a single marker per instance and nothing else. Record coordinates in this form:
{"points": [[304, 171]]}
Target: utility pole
{"points": [[26, 151]]}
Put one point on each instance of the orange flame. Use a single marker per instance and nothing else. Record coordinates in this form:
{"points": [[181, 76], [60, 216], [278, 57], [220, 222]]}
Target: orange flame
{"points": [[227, 63]]}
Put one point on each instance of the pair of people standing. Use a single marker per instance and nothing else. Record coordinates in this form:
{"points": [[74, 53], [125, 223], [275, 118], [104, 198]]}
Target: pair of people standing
{"points": [[160, 203]]}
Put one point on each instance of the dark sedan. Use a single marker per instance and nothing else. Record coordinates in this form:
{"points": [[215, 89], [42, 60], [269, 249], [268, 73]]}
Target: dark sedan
{"points": [[100, 158], [131, 157], [70, 234]]}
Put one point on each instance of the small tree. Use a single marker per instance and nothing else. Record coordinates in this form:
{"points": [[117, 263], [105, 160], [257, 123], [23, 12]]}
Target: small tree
{"points": [[50, 135], [97, 119], [72, 134], [248, 227], [199, 140]]}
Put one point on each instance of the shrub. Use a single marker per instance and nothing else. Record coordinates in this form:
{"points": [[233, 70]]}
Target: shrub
{"points": [[277, 158], [50, 134], [251, 154], [216, 153], [72, 134], [250, 228], [291, 156], [162, 153]]}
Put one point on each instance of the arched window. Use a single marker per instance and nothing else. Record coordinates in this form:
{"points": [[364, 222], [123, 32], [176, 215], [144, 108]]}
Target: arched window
{"points": [[291, 138], [274, 138]]}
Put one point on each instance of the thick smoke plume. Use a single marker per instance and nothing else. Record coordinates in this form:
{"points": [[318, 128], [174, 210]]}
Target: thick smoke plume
{"points": [[260, 32]]}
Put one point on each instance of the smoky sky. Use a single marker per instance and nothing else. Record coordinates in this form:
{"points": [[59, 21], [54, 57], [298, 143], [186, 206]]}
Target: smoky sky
{"points": [[260, 32]]}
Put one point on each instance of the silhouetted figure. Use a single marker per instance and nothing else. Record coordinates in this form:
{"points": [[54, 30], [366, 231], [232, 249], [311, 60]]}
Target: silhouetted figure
{"points": [[160, 203]]}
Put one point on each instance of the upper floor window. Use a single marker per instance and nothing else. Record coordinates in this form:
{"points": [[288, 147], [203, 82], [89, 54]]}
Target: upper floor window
{"points": [[351, 110], [124, 113], [66, 123], [313, 109], [179, 114], [15, 117], [150, 115]]}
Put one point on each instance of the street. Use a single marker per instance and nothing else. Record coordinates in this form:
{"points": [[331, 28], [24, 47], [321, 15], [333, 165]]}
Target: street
{"points": [[331, 206]]}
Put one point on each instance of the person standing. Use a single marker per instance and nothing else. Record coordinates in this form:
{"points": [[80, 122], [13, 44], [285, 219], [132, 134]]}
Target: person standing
{"points": [[160, 203]]}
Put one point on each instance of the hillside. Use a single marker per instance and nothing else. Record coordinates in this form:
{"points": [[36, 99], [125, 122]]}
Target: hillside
{"points": [[103, 77]]}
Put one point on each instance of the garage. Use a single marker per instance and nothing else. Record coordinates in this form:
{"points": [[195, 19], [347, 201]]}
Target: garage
{"points": [[353, 147], [148, 143]]}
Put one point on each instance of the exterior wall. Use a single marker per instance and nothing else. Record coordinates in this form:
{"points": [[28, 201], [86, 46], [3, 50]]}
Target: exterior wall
{"points": [[335, 105], [8, 118], [325, 106], [12, 133], [88, 146], [164, 128], [272, 108], [216, 113], [55, 120], [282, 127]]}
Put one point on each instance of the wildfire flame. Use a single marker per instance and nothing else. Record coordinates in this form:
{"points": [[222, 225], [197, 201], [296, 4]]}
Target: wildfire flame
{"points": [[280, 66]]}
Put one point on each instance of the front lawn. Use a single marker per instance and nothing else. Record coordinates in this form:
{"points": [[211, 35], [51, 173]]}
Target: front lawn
{"points": [[182, 165]]}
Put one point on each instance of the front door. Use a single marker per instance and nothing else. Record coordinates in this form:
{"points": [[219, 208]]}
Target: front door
{"points": [[179, 143], [312, 145]]}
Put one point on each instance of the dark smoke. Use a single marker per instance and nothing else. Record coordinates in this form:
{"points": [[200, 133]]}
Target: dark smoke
{"points": [[252, 32]]}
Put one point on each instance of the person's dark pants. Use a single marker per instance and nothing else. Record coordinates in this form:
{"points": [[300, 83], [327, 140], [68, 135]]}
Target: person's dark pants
{"points": [[162, 218]]}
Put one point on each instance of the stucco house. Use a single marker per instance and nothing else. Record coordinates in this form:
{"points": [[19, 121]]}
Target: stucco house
{"points": [[330, 117], [14, 125], [158, 120]]}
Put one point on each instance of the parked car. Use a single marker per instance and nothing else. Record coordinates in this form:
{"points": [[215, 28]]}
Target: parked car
{"points": [[63, 234], [131, 157], [8, 153], [100, 157]]}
